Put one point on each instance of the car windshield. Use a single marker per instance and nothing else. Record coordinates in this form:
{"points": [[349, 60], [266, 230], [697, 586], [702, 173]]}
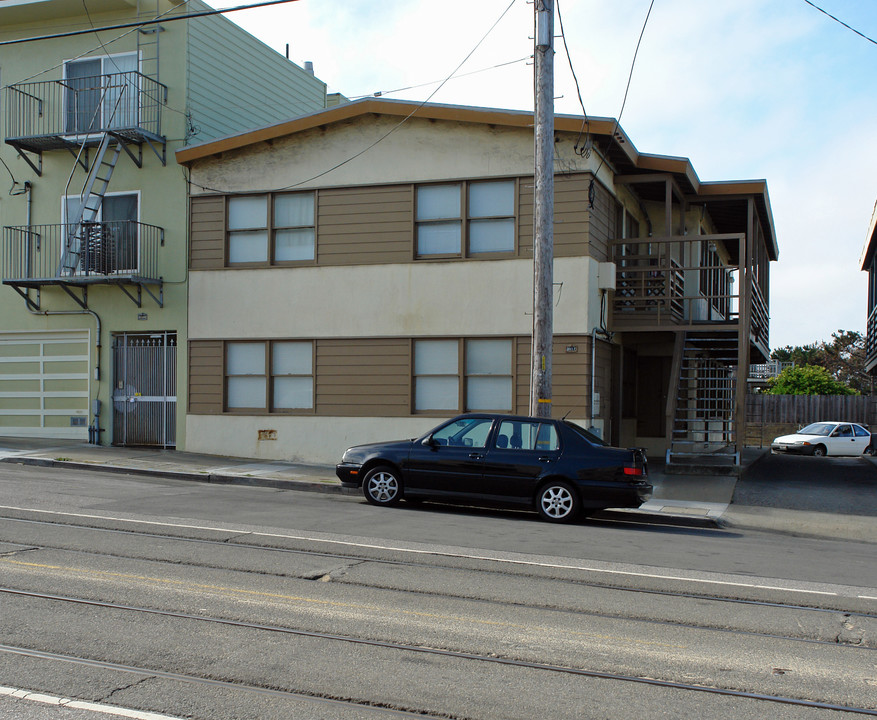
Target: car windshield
{"points": [[589, 436], [823, 429]]}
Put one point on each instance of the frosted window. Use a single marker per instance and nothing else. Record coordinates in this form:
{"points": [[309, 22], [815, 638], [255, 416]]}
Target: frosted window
{"points": [[438, 238], [245, 359], [293, 393], [438, 202], [489, 357], [294, 210], [246, 392], [489, 393], [491, 235], [290, 245], [292, 358], [248, 211], [436, 357], [436, 393], [492, 199], [247, 247]]}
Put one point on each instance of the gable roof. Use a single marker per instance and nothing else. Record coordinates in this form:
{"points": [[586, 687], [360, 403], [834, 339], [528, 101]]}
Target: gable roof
{"points": [[608, 136]]}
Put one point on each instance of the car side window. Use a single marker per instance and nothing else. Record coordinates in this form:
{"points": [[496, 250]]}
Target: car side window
{"points": [[518, 435], [844, 431], [860, 431], [465, 432]]}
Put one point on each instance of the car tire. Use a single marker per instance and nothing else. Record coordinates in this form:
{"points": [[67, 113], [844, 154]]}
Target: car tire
{"points": [[820, 451], [382, 486], [558, 502]]}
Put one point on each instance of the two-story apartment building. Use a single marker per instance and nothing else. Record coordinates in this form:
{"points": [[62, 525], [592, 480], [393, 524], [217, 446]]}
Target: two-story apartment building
{"points": [[93, 254], [363, 272]]}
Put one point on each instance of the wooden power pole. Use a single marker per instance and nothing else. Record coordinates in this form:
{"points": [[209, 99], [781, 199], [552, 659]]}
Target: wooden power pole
{"points": [[543, 220]]}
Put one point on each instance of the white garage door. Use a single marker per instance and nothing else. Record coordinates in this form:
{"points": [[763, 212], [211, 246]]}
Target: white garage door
{"points": [[44, 384]]}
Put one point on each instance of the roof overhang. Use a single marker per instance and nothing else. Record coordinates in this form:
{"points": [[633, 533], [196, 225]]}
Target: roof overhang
{"points": [[607, 136]]}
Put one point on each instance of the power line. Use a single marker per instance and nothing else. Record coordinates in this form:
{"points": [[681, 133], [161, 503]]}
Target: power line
{"points": [[838, 20], [381, 93], [623, 103], [585, 149], [392, 129], [143, 23]]}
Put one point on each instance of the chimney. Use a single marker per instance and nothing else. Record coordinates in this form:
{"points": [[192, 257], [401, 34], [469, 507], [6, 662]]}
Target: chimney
{"points": [[309, 67]]}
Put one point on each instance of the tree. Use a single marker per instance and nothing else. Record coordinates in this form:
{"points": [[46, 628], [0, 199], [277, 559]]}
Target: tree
{"points": [[843, 358], [807, 380]]}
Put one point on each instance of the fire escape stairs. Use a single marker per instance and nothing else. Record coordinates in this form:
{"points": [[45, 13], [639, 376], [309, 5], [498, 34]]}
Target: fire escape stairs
{"points": [[703, 437]]}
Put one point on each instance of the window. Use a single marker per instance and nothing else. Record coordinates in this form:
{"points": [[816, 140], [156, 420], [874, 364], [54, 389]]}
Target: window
{"points": [[492, 217], [101, 93], [439, 227], [291, 376], [109, 243], [516, 435], [487, 382], [466, 432], [268, 229], [489, 210]]}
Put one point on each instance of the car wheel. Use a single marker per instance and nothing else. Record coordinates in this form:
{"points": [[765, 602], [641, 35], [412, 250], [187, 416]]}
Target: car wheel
{"points": [[382, 486], [558, 502], [819, 451]]}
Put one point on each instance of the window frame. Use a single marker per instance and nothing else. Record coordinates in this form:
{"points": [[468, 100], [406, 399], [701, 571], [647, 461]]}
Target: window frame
{"points": [[270, 229], [268, 377], [466, 219], [462, 376]]}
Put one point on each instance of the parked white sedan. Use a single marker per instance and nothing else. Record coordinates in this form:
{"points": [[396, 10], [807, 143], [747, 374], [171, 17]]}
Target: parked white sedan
{"points": [[825, 438]]}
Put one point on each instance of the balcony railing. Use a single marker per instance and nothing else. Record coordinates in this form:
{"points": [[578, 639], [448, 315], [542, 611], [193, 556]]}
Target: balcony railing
{"points": [[92, 252], [685, 282], [871, 342], [50, 114]]}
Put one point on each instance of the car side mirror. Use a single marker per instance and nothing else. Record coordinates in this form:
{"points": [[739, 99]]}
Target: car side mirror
{"points": [[430, 441]]}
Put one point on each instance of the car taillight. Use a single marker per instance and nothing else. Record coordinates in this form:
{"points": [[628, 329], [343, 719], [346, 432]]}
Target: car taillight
{"points": [[635, 471]]}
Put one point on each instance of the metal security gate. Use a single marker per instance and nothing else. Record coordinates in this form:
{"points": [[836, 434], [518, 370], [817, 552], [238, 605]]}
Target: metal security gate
{"points": [[145, 389]]}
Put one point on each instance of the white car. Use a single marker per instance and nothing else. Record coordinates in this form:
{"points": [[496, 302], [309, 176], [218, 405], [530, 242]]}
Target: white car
{"points": [[825, 438]]}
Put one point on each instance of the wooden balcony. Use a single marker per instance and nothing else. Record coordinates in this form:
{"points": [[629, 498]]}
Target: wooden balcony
{"points": [[687, 283]]}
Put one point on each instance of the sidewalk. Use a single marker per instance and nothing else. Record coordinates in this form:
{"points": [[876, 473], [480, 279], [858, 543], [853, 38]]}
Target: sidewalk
{"points": [[695, 501]]}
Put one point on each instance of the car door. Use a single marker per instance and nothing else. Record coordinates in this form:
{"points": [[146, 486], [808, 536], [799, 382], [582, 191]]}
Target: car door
{"points": [[520, 453], [842, 441], [862, 440], [450, 461]]}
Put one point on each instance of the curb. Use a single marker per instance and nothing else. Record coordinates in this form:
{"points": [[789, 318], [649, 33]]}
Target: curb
{"points": [[631, 515]]}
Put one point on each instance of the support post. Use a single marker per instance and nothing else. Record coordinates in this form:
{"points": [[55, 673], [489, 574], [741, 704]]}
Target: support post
{"points": [[543, 209]]}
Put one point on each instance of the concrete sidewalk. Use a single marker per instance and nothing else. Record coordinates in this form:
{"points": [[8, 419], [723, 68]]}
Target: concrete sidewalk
{"points": [[680, 500]]}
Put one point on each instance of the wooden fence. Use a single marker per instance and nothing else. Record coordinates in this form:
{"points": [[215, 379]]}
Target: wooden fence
{"points": [[768, 416]]}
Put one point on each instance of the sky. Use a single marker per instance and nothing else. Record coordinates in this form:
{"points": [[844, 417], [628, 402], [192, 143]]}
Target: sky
{"points": [[745, 89]]}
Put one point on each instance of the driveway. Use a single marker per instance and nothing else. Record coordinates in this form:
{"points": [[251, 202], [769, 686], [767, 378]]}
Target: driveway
{"points": [[835, 485]]}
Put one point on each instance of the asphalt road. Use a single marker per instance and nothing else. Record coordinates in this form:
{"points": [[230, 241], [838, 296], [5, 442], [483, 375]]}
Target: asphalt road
{"points": [[233, 602], [846, 486]]}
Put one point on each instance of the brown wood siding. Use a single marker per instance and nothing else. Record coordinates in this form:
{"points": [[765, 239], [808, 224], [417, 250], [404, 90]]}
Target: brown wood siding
{"points": [[571, 216], [602, 227], [571, 376], [363, 377], [207, 247], [205, 377], [366, 225]]}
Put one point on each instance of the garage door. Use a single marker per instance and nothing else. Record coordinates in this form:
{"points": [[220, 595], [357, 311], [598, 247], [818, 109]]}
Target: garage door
{"points": [[44, 384]]}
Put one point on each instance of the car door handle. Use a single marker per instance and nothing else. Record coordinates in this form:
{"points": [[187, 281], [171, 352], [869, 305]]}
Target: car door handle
{"points": [[546, 459], [475, 456]]}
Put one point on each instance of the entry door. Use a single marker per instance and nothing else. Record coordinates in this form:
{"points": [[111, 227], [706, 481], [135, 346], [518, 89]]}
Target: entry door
{"points": [[144, 389]]}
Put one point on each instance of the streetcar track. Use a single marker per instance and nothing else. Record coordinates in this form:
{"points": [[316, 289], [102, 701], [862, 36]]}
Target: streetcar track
{"points": [[491, 659], [229, 543], [228, 684]]}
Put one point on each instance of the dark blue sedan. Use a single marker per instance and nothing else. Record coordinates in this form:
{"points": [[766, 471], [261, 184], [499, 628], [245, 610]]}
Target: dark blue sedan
{"points": [[553, 466]]}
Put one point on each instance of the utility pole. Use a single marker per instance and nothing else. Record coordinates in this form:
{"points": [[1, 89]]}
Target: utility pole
{"points": [[543, 213]]}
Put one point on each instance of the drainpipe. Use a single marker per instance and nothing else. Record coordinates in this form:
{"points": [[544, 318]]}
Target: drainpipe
{"points": [[94, 430]]}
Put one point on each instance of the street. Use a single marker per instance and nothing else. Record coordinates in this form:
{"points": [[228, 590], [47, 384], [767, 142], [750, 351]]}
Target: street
{"points": [[207, 601]]}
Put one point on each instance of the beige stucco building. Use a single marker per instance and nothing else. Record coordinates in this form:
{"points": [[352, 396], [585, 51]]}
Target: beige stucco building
{"points": [[363, 272]]}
